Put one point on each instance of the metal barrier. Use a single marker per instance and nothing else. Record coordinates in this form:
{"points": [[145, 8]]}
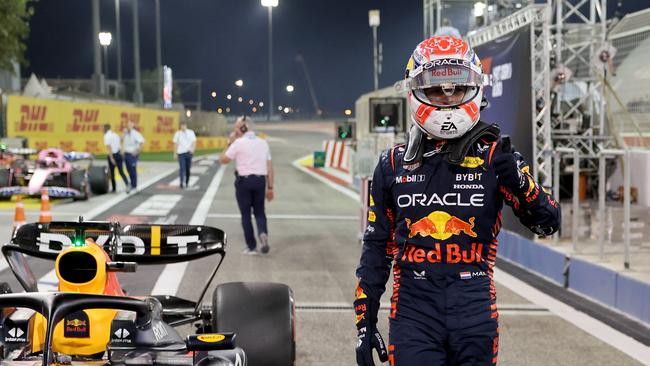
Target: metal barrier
{"points": [[603, 155]]}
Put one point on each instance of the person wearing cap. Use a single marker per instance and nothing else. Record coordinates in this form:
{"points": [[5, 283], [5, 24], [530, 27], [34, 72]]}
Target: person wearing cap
{"points": [[184, 144], [114, 155], [253, 182]]}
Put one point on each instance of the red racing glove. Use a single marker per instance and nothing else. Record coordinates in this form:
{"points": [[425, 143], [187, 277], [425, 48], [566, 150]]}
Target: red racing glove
{"points": [[368, 336]]}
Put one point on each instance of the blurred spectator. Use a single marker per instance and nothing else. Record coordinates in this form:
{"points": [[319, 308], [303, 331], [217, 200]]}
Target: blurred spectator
{"points": [[114, 154], [447, 29], [133, 142], [254, 180], [184, 144]]}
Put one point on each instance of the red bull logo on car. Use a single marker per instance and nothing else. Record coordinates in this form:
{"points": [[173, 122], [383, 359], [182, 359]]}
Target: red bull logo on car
{"points": [[440, 225]]}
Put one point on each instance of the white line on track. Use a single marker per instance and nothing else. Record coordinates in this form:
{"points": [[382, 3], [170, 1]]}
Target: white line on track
{"points": [[122, 196], [35, 214], [157, 205], [592, 326], [504, 309], [346, 191], [596, 328], [193, 180], [200, 170], [285, 217], [46, 282], [172, 275]]}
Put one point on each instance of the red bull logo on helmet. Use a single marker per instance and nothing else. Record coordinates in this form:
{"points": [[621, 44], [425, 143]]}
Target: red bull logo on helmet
{"points": [[440, 225]]}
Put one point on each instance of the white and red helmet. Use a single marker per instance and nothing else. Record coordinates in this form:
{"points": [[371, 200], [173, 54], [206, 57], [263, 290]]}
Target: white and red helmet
{"points": [[444, 80]]}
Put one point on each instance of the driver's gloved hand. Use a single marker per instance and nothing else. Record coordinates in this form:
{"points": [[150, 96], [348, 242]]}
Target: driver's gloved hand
{"points": [[508, 166], [368, 337]]}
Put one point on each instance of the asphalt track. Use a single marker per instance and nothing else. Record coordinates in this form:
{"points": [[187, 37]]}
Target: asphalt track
{"points": [[314, 249]]}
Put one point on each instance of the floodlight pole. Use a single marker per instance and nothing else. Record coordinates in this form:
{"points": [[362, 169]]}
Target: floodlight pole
{"points": [[118, 44], [270, 62], [373, 21], [97, 76], [137, 95], [158, 55]]}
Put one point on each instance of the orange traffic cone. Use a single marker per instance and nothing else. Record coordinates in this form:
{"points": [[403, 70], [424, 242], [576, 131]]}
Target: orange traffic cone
{"points": [[46, 214], [19, 217]]}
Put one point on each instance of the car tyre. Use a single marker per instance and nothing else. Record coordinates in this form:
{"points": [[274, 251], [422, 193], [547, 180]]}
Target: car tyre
{"points": [[262, 315], [99, 179], [5, 181], [79, 181]]}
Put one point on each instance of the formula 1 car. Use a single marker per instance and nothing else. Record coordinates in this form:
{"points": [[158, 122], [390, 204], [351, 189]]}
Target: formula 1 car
{"points": [[14, 158], [91, 320], [54, 170]]}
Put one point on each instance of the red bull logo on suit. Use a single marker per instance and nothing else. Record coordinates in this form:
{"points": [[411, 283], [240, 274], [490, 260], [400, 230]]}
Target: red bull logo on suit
{"points": [[440, 225]]}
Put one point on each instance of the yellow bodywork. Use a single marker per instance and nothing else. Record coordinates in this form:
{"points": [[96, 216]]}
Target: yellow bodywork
{"points": [[99, 320]]}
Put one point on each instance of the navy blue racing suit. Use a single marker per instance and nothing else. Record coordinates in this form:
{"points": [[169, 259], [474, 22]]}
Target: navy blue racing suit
{"points": [[437, 227]]}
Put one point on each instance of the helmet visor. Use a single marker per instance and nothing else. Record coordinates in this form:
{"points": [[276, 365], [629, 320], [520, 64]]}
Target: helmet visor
{"points": [[447, 95], [445, 75]]}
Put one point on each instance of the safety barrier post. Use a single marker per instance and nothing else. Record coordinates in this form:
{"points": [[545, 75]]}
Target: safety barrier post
{"points": [[626, 201], [601, 204], [575, 217], [626, 207]]}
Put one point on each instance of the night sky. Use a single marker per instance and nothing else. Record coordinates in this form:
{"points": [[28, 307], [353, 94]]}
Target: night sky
{"points": [[220, 41]]}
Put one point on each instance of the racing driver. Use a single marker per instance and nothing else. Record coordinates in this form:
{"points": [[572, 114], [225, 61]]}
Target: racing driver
{"points": [[434, 215]]}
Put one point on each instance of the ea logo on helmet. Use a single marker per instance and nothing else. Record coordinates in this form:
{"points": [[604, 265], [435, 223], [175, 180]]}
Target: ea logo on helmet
{"points": [[448, 126]]}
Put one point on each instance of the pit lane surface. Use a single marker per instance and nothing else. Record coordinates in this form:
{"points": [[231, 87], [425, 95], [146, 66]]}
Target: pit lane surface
{"points": [[314, 249]]}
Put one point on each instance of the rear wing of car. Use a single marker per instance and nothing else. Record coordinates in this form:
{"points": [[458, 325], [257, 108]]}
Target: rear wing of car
{"points": [[77, 155], [139, 243], [23, 151]]}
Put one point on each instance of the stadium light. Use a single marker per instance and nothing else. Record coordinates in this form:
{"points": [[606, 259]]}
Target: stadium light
{"points": [[239, 83], [290, 88], [479, 9], [272, 3], [105, 38]]}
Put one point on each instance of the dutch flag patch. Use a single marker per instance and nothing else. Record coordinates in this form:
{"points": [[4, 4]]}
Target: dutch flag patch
{"points": [[465, 275]]}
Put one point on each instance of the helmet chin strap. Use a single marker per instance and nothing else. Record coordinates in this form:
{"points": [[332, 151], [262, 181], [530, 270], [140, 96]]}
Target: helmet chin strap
{"points": [[455, 149], [414, 148]]}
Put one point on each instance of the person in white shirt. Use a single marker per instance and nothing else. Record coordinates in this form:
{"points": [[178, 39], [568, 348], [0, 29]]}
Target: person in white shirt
{"points": [[114, 154], [254, 181], [133, 142], [184, 143]]}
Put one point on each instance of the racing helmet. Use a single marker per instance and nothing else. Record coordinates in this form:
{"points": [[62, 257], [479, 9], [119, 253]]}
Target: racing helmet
{"points": [[51, 160], [444, 81]]}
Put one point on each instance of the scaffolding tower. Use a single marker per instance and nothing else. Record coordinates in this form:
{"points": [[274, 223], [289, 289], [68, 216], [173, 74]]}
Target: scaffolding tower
{"points": [[579, 34], [536, 16], [568, 86]]}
